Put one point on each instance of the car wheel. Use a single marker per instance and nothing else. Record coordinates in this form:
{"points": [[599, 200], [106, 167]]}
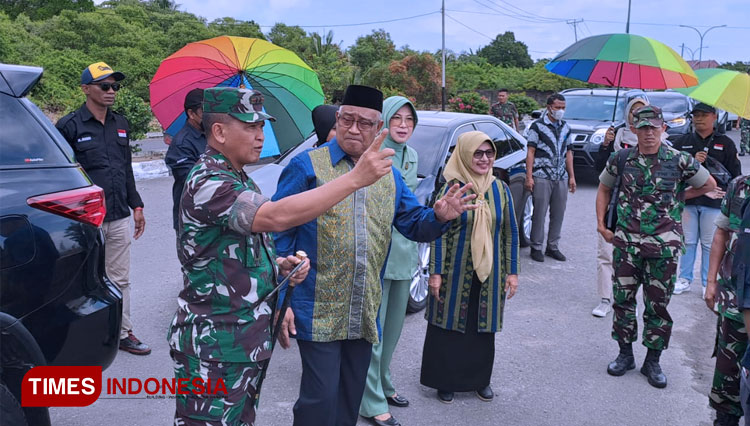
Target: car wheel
{"points": [[528, 212], [11, 412], [418, 287]]}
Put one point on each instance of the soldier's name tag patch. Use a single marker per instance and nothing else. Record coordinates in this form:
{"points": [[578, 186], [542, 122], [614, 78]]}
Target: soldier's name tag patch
{"points": [[719, 147], [84, 139], [687, 147], [122, 133]]}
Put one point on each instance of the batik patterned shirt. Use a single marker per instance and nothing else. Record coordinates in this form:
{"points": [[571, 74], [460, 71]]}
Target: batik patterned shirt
{"points": [[551, 142], [347, 246]]}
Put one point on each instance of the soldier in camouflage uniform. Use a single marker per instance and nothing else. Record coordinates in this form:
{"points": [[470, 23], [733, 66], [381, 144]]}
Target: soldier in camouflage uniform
{"points": [[222, 328], [744, 136], [648, 236], [731, 334], [505, 111]]}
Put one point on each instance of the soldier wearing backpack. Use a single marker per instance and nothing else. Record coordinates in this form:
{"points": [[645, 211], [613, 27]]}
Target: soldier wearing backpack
{"points": [[729, 258]]}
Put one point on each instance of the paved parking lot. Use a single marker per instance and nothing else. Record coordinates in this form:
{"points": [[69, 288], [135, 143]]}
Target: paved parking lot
{"points": [[551, 357]]}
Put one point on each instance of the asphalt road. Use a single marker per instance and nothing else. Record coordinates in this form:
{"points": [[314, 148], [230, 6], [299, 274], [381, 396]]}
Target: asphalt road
{"points": [[551, 357]]}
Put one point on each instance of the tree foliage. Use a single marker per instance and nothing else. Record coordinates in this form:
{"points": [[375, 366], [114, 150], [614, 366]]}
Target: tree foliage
{"points": [[523, 103], [504, 50], [739, 66], [416, 74], [371, 50], [134, 36], [44, 9]]}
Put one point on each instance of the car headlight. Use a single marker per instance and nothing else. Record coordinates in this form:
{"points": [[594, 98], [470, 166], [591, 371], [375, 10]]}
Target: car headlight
{"points": [[677, 122], [598, 137]]}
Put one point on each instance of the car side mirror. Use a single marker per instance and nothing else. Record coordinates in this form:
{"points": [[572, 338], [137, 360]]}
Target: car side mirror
{"points": [[536, 114]]}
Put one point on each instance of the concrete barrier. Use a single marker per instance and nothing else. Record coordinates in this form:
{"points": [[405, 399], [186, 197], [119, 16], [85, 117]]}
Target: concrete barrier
{"points": [[143, 170]]}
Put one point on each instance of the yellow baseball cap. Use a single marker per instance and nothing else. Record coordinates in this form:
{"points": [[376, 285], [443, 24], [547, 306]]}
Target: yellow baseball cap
{"points": [[99, 71]]}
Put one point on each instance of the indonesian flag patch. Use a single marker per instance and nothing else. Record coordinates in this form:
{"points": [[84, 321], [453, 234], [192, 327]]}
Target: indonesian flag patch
{"points": [[122, 133], [719, 147]]}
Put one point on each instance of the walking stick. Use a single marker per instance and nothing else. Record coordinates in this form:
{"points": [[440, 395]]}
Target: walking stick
{"points": [[301, 255]]}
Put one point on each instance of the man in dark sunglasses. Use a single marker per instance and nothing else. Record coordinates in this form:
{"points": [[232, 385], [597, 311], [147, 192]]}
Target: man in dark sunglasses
{"points": [[100, 140]]}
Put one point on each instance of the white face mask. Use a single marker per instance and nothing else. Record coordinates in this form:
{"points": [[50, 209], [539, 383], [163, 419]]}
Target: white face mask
{"points": [[557, 114]]}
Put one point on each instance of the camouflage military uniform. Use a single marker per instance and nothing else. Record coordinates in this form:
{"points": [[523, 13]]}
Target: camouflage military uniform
{"points": [[648, 238], [222, 328], [731, 336], [744, 136], [506, 112]]}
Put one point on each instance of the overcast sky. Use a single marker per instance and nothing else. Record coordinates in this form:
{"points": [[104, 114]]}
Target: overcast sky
{"points": [[535, 22]]}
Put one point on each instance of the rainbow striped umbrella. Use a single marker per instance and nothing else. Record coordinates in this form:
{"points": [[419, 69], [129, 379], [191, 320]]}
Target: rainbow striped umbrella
{"points": [[725, 89], [624, 60], [290, 87]]}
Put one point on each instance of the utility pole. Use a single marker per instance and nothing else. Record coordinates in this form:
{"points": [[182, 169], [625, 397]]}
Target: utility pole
{"points": [[443, 61], [627, 25], [701, 35], [574, 23]]}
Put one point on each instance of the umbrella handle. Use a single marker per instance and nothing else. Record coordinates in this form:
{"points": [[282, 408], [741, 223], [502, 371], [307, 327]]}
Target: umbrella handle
{"points": [[287, 298]]}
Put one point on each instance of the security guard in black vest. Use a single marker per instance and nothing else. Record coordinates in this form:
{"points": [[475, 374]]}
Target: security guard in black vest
{"points": [[100, 140]]}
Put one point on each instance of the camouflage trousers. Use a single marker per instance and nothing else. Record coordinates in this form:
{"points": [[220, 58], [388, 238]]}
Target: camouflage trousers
{"points": [[657, 275], [745, 138], [236, 408], [731, 342]]}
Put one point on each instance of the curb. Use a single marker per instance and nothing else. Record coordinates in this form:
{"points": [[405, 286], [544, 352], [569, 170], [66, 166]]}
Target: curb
{"points": [[144, 170]]}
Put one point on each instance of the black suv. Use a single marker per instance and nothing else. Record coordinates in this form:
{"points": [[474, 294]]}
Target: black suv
{"points": [[677, 109], [57, 307], [588, 112]]}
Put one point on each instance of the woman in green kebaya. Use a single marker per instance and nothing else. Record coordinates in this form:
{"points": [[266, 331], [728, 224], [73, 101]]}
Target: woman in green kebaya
{"points": [[400, 117]]}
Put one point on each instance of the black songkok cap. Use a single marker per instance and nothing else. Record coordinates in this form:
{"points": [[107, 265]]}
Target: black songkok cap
{"points": [[363, 96]]}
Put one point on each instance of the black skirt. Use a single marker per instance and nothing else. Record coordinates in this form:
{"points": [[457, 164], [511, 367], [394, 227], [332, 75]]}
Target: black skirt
{"points": [[459, 362]]}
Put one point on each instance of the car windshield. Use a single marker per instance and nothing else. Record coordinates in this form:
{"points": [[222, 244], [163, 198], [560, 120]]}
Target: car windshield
{"points": [[588, 107], [670, 103], [428, 141]]}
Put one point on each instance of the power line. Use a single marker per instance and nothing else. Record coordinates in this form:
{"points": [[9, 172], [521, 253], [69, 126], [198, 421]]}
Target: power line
{"points": [[485, 35], [514, 15], [361, 23], [475, 12], [467, 27], [527, 13]]}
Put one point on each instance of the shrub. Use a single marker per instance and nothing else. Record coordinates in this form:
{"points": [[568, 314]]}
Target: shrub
{"points": [[470, 102], [135, 110], [524, 104]]}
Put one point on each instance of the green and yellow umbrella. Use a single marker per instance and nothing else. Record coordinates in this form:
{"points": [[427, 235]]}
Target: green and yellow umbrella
{"points": [[725, 89], [290, 87]]}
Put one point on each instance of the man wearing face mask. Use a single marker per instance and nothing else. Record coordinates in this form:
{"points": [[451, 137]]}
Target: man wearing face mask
{"points": [[549, 175]]}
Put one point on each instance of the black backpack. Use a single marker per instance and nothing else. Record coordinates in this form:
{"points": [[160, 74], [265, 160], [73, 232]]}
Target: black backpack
{"points": [[741, 261]]}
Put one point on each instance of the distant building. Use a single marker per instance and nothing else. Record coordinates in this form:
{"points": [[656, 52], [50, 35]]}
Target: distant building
{"points": [[703, 64]]}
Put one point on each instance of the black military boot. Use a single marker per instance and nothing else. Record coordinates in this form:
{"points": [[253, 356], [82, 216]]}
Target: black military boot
{"points": [[652, 370], [726, 419], [624, 361]]}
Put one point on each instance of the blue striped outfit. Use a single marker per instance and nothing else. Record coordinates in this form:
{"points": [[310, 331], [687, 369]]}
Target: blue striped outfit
{"points": [[450, 256]]}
